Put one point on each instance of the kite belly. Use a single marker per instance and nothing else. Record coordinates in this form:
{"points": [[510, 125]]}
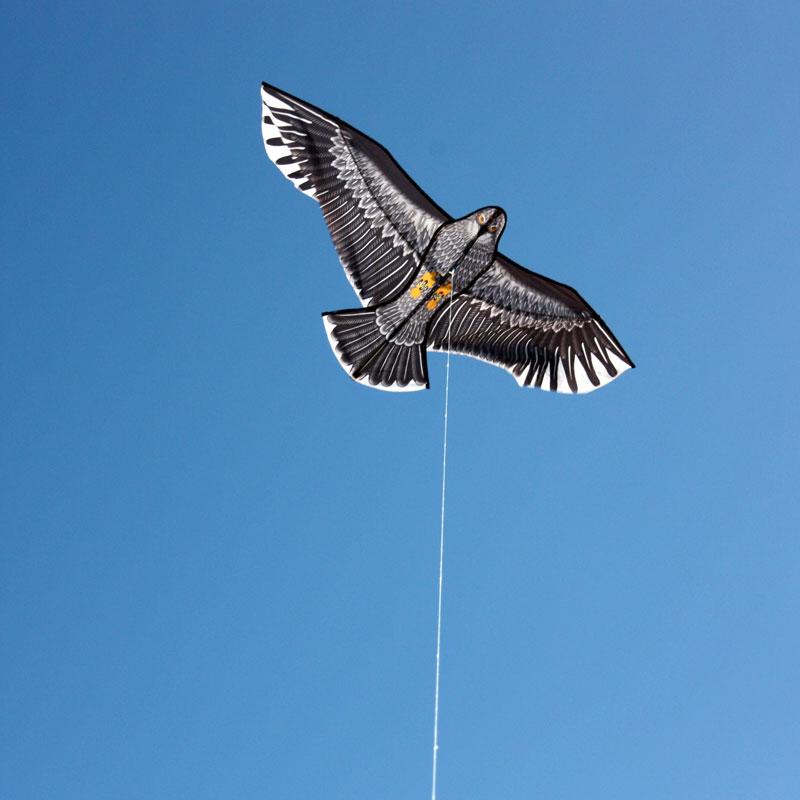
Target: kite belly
{"points": [[405, 320]]}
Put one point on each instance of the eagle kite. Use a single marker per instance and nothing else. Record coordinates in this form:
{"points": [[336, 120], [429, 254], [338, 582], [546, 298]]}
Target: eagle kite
{"points": [[427, 281]]}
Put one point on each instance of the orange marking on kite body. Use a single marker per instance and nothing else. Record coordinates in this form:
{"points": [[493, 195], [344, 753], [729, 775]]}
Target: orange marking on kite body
{"points": [[438, 296], [425, 282]]}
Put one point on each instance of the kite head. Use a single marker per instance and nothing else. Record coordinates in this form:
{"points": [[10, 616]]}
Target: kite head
{"points": [[490, 222]]}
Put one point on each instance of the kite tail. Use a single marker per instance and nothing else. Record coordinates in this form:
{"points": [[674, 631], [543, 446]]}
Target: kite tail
{"points": [[369, 357]]}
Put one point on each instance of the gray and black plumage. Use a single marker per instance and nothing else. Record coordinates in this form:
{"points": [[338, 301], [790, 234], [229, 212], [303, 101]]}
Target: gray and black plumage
{"points": [[428, 281]]}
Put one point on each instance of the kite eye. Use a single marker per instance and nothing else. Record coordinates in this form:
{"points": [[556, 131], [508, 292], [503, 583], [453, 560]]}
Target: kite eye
{"points": [[481, 219], [493, 229]]}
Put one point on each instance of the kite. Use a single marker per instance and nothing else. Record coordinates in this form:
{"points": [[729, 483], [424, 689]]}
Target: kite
{"points": [[428, 281]]}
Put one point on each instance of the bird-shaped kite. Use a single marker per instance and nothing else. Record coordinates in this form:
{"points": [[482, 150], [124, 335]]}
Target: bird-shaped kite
{"points": [[427, 281]]}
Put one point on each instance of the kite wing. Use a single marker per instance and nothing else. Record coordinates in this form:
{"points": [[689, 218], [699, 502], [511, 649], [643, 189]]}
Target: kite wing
{"points": [[379, 219], [544, 333]]}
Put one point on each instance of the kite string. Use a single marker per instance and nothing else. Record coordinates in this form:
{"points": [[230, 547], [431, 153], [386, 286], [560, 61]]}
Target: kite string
{"points": [[441, 562]]}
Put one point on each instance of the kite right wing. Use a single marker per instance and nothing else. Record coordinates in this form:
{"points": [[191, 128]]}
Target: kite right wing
{"points": [[544, 333], [380, 221]]}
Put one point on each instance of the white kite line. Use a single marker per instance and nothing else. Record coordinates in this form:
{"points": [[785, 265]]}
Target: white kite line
{"points": [[441, 563]]}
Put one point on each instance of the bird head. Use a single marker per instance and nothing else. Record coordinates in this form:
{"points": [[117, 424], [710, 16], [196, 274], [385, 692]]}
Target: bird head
{"points": [[490, 222]]}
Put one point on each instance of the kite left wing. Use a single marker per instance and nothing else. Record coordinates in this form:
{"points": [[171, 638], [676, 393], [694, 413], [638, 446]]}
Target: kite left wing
{"points": [[544, 333], [379, 219]]}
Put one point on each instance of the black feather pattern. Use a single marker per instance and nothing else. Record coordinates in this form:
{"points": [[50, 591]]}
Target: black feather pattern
{"points": [[379, 219], [541, 331], [370, 357]]}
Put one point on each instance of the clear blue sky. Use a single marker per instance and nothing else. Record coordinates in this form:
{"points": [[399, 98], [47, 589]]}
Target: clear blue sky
{"points": [[219, 554]]}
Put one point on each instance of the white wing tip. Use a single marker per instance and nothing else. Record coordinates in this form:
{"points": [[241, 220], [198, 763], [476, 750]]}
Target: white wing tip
{"points": [[583, 382], [270, 131]]}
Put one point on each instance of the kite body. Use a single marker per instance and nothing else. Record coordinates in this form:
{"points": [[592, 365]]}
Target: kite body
{"points": [[385, 347], [426, 281]]}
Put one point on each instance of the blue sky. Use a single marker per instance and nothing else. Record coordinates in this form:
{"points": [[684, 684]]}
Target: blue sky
{"points": [[219, 554]]}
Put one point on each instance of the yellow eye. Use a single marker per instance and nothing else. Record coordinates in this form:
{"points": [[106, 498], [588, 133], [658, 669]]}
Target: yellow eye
{"points": [[481, 219], [493, 229]]}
